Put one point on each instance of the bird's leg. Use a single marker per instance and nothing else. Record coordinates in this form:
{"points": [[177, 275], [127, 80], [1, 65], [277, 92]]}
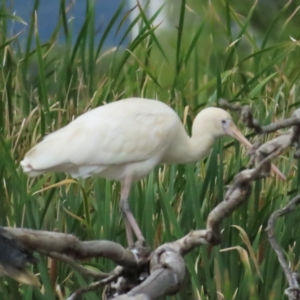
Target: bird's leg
{"points": [[130, 222]]}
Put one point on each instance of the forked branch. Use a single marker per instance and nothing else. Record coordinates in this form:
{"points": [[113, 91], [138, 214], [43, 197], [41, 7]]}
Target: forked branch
{"points": [[274, 148], [293, 291]]}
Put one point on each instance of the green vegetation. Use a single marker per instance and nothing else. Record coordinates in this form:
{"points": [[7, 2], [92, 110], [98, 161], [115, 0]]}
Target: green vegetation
{"points": [[43, 86]]}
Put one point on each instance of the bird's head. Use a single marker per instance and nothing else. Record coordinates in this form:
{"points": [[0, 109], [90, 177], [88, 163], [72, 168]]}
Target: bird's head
{"points": [[218, 122]]}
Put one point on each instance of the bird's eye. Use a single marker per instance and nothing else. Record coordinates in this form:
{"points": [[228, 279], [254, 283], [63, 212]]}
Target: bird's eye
{"points": [[225, 122]]}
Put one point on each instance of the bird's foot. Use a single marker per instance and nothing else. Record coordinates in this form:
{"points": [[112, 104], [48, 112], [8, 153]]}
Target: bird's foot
{"points": [[141, 242], [141, 250]]}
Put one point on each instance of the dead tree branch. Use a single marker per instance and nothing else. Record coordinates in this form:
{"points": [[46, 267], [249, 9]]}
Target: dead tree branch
{"points": [[293, 291], [246, 116], [14, 259], [266, 151], [54, 242], [76, 266]]}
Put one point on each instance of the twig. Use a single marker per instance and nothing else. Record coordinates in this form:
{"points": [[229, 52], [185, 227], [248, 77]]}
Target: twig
{"points": [[270, 150], [293, 292], [76, 266], [95, 285], [247, 117]]}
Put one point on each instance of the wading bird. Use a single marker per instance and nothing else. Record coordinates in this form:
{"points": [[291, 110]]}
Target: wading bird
{"points": [[124, 141]]}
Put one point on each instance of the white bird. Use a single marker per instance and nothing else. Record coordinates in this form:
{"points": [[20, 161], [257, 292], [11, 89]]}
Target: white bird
{"points": [[124, 141]]}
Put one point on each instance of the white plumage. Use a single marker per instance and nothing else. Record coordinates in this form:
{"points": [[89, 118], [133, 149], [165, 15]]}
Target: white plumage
{"points": [[109, 139], [124, 141]]}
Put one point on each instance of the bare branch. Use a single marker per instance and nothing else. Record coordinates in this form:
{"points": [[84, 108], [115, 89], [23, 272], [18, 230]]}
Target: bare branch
{"points": [[76, 266], [95, 285], [247, 117], [167, 275], [45, 241], [14, 259], [133, 297], [293, 292], [268, 151]]}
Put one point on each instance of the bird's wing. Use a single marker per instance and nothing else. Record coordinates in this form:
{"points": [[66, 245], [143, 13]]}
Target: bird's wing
{"points": [[105, 140]]}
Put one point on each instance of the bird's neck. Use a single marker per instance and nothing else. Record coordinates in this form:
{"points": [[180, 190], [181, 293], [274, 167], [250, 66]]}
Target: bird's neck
{"points": [[190, 149], [199, 147]]}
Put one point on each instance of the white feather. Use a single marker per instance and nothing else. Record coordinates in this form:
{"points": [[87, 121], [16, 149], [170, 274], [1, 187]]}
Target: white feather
{"points": [[132, 131]]}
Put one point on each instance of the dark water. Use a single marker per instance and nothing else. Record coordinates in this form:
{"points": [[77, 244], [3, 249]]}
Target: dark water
{"points": [[48, 17]]}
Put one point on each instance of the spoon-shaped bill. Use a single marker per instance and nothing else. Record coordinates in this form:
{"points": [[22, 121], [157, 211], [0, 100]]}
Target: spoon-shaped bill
{"points": [[233, 131]]}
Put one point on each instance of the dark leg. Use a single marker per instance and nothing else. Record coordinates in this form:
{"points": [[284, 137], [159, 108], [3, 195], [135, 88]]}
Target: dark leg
{"points": [[130, 222]]}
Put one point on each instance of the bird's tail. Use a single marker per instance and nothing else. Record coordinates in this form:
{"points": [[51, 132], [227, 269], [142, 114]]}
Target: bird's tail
{"points": [[45, 156], [28, 168]]}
